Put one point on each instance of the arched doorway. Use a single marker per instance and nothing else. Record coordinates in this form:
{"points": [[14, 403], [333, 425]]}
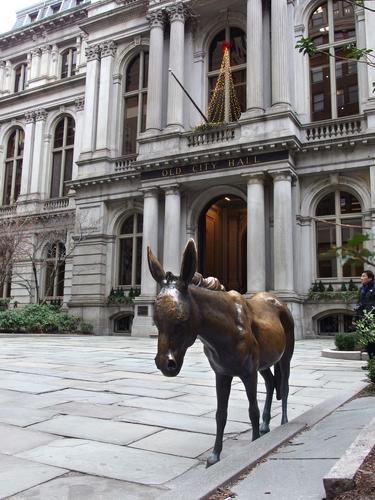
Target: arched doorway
{"points": [[222, 241]]}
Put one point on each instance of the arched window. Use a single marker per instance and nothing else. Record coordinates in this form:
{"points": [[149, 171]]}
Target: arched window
{"points": [[68, 62], [237, 49], [135, 101], [335, 323], [340, 218], [123, 324], [13, 166], [333, 78], [55, 270], [130, 251], [62, 156], [20, 77]]}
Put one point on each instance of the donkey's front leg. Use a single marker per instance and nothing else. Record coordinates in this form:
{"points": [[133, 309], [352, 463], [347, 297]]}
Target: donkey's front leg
{"points": [[250, 382], [223, 384]]}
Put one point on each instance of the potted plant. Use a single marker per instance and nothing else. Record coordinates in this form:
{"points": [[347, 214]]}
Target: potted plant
{"points": [[365, 331]]}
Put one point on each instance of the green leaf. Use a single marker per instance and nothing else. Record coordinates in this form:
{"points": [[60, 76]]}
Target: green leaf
{"points": [[306, 46]]}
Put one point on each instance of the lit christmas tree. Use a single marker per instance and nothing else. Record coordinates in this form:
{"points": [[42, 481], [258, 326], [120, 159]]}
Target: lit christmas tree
{"points": [[224, 105]]}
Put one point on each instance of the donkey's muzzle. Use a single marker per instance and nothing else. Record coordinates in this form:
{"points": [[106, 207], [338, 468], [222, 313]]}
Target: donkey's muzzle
{"points": [[167, 365]]}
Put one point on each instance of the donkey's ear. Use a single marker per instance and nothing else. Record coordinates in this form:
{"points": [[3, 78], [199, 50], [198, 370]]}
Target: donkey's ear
{"points": [[189, 262], [155, 267]]}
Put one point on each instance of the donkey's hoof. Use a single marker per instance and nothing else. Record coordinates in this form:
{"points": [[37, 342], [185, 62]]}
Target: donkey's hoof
{"points": [[264, 429], [212, 459]]}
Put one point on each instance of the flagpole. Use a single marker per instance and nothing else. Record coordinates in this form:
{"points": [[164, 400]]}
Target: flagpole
{"points": [[188, 95]]}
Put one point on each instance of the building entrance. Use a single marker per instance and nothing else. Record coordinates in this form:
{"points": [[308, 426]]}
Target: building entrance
{"points": [[222, 241]]}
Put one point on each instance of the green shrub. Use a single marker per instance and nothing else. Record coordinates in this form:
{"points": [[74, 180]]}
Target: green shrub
{"points": [[346, 341], [85, 327], [371, 370], [38, 318], [365, 329]]}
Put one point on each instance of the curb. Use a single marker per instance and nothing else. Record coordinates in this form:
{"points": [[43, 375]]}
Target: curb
{"points": [[341, 477], [200, 483], [351, 355]]}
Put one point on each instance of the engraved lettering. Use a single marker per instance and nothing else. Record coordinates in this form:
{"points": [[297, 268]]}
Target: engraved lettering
{"points": [[231, 163]]}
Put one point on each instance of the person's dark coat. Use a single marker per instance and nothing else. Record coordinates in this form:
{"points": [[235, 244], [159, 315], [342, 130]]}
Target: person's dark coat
{"points": [[366, 299]]}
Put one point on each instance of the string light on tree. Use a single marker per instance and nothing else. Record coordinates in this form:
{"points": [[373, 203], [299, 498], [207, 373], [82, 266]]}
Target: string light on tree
{"points": [[224, 105]]}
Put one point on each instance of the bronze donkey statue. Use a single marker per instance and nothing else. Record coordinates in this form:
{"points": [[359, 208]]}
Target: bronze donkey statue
{"points": [[240, 338]]}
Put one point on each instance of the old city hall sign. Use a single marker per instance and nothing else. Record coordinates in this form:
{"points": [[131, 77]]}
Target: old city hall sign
{"points": [[213, 166]]}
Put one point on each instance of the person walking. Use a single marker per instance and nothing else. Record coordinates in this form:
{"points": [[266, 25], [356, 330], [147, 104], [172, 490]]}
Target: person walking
{"points": [[366, 296]]}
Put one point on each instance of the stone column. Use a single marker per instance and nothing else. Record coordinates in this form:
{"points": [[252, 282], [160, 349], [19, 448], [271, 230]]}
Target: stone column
{"points": [[91, 98], [254, 78], [150, 238], [172, 228], [37, 165], [45, 61], [7, 78], [27, 154], [177, 14], [2, 76], [155, 68], [108, 51], [80, 108], [283, 230], [279, 53], [54, 62], [35, 63], [256, 239]]}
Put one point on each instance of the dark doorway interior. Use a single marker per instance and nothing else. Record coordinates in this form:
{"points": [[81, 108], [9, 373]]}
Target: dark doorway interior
{"points": [[222, 241]]}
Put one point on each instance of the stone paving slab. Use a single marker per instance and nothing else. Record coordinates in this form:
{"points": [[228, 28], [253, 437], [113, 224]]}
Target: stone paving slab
{"points": [[95, 429], [111, 461], [88, 410], [85, 487], [181, 422], [15, 439], [17, 474], [24, 416], [180, 443]]}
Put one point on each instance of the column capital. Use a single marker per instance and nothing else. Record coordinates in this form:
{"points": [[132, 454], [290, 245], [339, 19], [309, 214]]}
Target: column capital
{"points": [[156, 19], [2, 64], [178, 12], [40, 114], [46, 48], [255, 178], [35, 52], [171, 190], [29, 116], [282, 175], [93, 52], [80, 104], [108, 48], [151, 192], [116, 78]]}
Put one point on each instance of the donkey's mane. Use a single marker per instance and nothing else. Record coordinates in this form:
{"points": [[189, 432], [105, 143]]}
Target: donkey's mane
{"points": [[210, 283]]}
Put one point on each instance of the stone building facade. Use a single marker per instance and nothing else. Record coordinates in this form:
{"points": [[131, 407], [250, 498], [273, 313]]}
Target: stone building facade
{"points": [[97, 136]]}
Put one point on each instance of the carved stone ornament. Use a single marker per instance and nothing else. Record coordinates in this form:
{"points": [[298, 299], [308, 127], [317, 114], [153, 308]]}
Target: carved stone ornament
{"points": [[29, 116], [40, 114], [177, 12], [156, 19], [35, 52], [92, 52], [46, 48], [80, 104], [108, 48]]}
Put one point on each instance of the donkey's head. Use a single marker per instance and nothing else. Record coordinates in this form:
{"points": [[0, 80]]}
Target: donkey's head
{"points": [[172, 312]]}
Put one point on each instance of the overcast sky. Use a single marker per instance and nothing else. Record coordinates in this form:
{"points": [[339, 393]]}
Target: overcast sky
{"points": [[8, 12]]}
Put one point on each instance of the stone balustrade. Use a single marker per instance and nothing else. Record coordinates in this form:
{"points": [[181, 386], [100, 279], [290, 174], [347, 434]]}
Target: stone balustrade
{"points": [[211, 136], [56, 204], [333, 129]]}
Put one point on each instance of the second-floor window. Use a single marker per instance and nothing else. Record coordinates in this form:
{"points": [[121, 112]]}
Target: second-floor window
{"points": [[13, 166], [68, 62], [339, 219], [135, 101], [235, 39], [20, 77], [130, 251], [62, 156], [333, 77]]}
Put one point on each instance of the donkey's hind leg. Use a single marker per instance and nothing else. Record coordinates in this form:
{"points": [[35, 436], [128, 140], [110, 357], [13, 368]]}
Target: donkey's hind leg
{"points": [[250, 382], [282, 371], [270, 386], [223, 385]]}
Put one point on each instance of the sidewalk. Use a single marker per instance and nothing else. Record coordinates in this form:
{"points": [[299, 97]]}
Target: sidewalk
{"points": [[91, 418]]}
